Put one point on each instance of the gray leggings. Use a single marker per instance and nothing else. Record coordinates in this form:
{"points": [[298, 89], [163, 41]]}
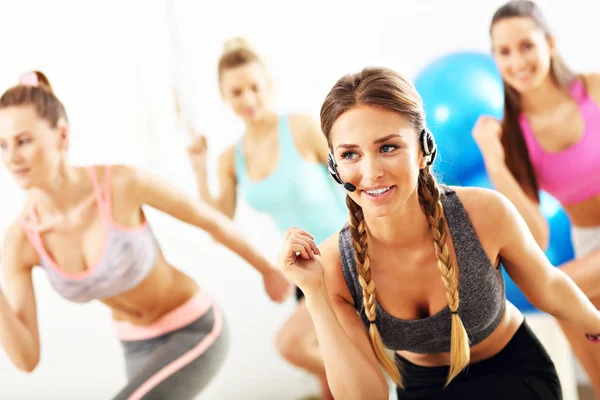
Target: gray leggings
{"points": [[177, 365]]}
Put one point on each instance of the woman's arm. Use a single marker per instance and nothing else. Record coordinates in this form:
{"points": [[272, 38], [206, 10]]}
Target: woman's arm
{"points": [[592, 82], [227, 197], [353, 371], [546, 287], [149, 189], [197, 151], [18, 312], [529, 209], [487, 134]]}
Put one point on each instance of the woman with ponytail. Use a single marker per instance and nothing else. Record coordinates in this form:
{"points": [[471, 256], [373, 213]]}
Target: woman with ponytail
{"points": [[376, 284], [279, 167], [86, 228]]}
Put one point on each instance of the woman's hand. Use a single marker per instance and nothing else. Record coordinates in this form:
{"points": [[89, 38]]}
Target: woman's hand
{"points": [[298, 262], [276, 285], [197, 149], [487, 134]]}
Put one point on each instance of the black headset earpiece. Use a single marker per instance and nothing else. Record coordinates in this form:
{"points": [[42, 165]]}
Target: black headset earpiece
{"points": [[332, 167], [428, 145]]}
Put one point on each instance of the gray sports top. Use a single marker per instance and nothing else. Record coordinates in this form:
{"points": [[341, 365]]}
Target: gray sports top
{"points": [[481, 291]]}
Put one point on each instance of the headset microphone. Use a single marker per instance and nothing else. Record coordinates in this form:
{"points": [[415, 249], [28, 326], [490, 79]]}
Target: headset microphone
{"points": [[349, 187], [332, 167]]}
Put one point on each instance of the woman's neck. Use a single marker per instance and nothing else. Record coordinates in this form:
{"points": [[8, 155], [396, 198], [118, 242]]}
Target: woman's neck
{"points": [[543, 98], [264, 125], [64, 190], [406, 228]]}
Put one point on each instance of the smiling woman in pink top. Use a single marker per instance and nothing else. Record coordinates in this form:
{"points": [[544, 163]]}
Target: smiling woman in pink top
{"points": [[549, 140], [86, 228]]}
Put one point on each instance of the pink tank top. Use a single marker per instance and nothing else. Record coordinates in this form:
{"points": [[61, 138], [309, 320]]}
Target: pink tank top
{"points": [[572, 175], [127, 256]]}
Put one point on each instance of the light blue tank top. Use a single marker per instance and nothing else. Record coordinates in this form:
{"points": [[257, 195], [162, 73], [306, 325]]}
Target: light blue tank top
{"points": [[298, 193]]}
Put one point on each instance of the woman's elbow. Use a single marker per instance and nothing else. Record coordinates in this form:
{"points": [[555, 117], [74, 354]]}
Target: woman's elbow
{"points": [[220, 232], [543, 240], [379, 395], [541, 234], [384, 394], [27, 365], [380, 392], [28, 368], [213, 222]]}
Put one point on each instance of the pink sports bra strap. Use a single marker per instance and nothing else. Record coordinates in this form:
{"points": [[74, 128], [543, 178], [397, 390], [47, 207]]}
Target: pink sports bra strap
{"points": [[28, 226], [578, 91], [107, 190], [33, 215], [102, 203]]}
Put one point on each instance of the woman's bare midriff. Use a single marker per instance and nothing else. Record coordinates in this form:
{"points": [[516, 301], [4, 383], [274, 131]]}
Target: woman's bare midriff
{"points": [[585, 214], [163, 290], [498, 339]]}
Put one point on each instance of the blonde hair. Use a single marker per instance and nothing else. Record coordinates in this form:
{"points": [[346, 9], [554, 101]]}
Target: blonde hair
{"points": [[387, 89], [236, 52]]}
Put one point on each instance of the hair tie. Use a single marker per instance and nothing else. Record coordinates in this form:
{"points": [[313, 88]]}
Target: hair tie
{"points": [[29, 79]]}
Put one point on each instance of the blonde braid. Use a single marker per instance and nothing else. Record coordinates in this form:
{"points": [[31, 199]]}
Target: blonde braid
{"points": [[363, 265], [429, 196]]}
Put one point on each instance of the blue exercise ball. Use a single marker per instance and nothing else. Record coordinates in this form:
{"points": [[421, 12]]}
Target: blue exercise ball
{"points": [[456, 89], [560, 249]]}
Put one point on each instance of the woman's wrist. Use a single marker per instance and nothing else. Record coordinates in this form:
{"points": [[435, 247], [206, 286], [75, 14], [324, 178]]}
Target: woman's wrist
{"points": [[593, 332], [496, 168], [316, 297], [594, 338], [199, 166]]}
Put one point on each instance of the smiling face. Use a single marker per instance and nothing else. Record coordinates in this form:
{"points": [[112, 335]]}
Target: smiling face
{"points": [[377, 150], [246, 89], [31, 149], [522, 51]]}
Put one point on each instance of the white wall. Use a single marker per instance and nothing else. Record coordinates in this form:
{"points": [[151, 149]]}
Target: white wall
{"points": [[110, 63]]}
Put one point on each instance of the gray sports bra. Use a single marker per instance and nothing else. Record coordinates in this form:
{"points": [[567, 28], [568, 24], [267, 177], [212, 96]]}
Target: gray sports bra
{"points": [[129, 254], [481, 291]]}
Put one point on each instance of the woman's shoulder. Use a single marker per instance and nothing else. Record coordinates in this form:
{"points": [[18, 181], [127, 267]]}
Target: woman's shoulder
{"points": [[308, 137], [329, 248], [16, 245], [117, 178], [592, 83], [332, 265], [116, 173], [487, 209], [481, 201]]}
